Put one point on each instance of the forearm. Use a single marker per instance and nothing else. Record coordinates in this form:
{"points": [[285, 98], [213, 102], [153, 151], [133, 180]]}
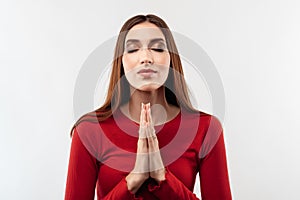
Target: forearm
{"points": [[171, 188]]}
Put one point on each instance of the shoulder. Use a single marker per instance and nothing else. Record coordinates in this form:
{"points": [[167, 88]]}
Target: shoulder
{"points": [[211, 130], [205, 119], [88, 126], [88, 130], [92, 120]]}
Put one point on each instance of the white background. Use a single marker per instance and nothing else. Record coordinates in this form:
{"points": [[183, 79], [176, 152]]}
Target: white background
{"points": [[254, 44]]}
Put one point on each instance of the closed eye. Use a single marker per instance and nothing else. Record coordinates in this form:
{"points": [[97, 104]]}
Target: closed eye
{"points": [[158, 49], [132, 50]]}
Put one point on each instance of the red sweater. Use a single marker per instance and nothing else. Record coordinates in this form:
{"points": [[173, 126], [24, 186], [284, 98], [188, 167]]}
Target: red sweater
{"points": [[102, 154]]}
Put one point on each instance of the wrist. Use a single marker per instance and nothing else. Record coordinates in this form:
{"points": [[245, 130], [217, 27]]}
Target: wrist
{"points": [[160, 175], [134, 181], [159, 178]]}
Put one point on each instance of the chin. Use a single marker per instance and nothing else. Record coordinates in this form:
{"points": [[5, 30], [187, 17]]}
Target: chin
{"points": [[149, 88]]}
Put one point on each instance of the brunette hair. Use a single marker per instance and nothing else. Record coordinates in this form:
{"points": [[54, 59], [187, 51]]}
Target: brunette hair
{"points": [[176, 90]]}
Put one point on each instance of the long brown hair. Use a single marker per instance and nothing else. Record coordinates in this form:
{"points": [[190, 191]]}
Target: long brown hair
{"points": [[176, 90]]}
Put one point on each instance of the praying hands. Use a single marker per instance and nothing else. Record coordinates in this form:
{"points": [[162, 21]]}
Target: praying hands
{"points": [[148, 159]]}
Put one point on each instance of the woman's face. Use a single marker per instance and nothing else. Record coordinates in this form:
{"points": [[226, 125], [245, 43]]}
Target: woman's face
{"points": [[146, 59]]}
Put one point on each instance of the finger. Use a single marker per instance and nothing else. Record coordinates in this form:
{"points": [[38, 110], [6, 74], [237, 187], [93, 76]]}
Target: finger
{"points": [[152, 147], [146, 131], [148, 136], [152, 140], [155, 159], [141, 114], [145, 113], [151, 123], [148, 113], [142, 134]]}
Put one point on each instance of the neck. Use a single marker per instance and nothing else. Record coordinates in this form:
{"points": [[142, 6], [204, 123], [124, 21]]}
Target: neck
{"points": [[161, 111]]}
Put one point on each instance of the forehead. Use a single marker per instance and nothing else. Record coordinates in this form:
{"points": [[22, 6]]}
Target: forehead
{"points": [[144, 32]]}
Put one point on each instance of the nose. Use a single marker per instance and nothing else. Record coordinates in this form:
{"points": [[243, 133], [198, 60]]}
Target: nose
{"points": [[146, 56]]}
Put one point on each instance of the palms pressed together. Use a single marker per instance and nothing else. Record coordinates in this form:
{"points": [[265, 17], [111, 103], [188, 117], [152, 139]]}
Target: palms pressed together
{"points": [[148, 159]]}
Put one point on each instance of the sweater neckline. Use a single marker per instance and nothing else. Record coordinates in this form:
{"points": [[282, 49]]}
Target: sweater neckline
{"points": [[178, 115]]}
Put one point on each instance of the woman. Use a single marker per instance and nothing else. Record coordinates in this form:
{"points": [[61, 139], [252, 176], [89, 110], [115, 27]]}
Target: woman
{"points": [[147, 141]]}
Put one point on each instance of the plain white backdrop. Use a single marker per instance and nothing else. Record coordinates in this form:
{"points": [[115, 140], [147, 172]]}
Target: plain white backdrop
{"points": [[254, 45]]}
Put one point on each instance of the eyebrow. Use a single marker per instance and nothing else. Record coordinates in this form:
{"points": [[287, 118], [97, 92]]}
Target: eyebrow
{"points": [[151, 41]]}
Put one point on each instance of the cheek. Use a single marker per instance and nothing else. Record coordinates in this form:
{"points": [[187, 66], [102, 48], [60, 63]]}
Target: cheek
{"points": [[165, 60], [128, 63]]}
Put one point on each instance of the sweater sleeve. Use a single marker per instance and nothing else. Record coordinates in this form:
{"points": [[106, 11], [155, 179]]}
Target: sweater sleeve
{"points": [[213, 171], [171, 188], [83, 174], [121, 191]]}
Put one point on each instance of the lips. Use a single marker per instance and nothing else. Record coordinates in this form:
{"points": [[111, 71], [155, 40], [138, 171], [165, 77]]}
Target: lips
{"points": [[146, 71]]}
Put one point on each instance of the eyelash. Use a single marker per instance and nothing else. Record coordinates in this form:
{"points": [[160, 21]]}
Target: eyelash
{"points": [[155, 49]]}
